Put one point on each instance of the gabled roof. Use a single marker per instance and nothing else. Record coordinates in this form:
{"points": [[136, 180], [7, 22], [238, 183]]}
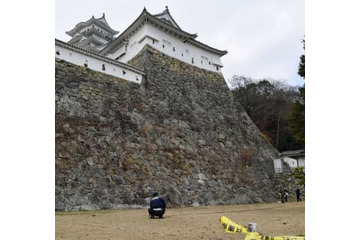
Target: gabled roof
{"points": [[145, 16], [163, 20], [166, 17], [101, 22]]}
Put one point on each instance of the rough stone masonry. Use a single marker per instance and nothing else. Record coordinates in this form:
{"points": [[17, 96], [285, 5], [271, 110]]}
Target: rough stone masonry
{"points": [[179, 133]]}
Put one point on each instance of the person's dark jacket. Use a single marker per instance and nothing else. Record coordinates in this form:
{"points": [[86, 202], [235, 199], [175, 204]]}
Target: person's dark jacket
{"points": [[157, 202]]}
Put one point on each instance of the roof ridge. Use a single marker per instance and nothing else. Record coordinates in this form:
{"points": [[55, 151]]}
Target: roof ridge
{"points": [[166, 11]]}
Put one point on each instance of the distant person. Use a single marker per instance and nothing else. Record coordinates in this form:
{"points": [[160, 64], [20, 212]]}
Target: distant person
{"points": [[298, 195], [286, 195], [157, 206], [281, 195]]}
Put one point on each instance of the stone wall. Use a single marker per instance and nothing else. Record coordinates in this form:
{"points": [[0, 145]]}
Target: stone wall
{"points": [[288, 181], [179, 133]]}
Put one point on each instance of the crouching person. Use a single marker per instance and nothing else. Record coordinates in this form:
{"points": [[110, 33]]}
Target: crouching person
{"points": [[157, 206]]}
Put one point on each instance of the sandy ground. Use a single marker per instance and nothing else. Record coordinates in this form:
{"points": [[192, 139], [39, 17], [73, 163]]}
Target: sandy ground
{"points": [[181, 223]]}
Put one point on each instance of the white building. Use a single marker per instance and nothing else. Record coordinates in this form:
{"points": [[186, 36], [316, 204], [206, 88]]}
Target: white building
{"points": [[93, 35], [160, 31], [289, 160], [83, 57]]}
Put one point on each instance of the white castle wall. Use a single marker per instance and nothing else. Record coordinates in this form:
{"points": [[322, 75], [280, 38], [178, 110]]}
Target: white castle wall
{"points": [[130, 48], [97, 63], [170, 45]]}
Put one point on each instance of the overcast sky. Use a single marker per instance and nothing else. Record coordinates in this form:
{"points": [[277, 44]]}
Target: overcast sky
{"points": [[262, 37]]}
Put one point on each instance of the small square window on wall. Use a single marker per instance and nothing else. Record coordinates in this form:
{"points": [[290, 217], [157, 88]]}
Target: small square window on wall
{"points": [[57, 53], [166, 43], [103, 67], [205, 59], [192, 60], [174, 49]]}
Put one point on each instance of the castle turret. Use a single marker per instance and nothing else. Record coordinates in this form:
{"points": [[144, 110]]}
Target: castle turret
{"points": [[93, 35], [161, 32]]}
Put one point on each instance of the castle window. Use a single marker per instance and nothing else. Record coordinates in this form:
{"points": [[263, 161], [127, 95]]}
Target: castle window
{"points": [[192, 60], [174, 49], [166, 43], [209, 63], [204, 59], [103, 67], [57, 53], [217, 68], [124, 72], [85, 65]]}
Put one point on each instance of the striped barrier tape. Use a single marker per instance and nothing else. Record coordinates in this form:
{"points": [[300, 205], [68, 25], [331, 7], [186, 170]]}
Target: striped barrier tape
{"points": [[232, 227]]}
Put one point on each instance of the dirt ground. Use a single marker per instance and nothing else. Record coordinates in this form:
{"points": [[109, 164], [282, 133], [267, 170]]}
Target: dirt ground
{"points": [[274, 219]]}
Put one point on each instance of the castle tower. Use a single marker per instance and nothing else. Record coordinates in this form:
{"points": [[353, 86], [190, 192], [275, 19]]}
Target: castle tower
{"points": [[161, 32], [92, 35]]}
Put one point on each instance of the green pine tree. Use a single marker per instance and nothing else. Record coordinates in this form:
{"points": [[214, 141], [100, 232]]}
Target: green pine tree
{"points": [[297, 116]]}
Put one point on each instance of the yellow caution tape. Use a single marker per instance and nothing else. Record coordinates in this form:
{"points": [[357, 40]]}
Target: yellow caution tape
{"points": [[232, 227]]}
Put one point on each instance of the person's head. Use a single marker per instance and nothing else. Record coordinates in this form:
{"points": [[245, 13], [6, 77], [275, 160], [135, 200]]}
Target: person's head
{"points": [[155, 194]]}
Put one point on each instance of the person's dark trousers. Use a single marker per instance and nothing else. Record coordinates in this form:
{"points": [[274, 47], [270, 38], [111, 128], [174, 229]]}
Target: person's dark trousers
{"points": [[159, 213]]}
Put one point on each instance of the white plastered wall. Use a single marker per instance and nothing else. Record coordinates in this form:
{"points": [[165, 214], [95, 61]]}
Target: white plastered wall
{"points": [[96, 64], [169, 45]]}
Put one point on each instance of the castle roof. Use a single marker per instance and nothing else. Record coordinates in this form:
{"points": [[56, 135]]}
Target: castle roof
{"points": [[101, 22], [166, 17], [165, 22]]}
